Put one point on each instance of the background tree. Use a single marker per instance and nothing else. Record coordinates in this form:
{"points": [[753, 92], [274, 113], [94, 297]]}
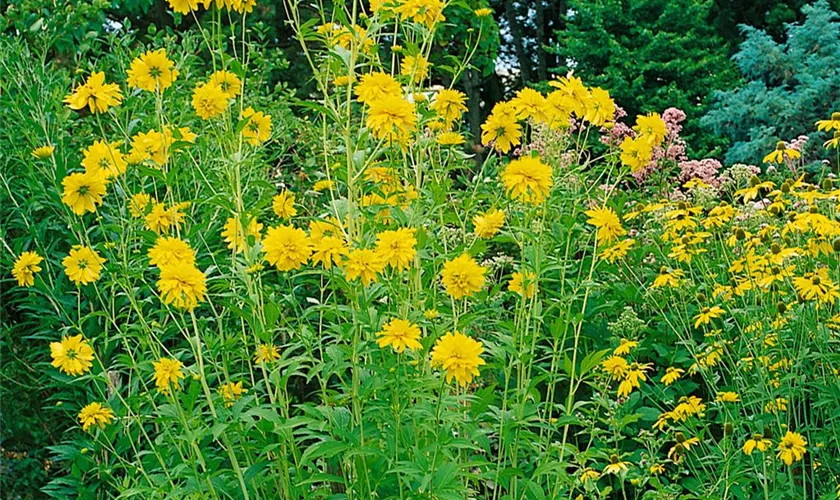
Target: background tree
{"points": [[789, 85], [650, 55]]}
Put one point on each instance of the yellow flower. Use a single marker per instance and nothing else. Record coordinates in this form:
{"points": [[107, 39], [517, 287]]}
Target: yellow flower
{"points": [[229, 83], [449, 105], [283, 205], [161, 219], [182, 285], [671, 375], [397, 247], [575, 93], [707, 314], [459, 356], [184, 6], [376, 86], [43, 152], [727, 397], [364, 264], [501, 128], [832, 123], [323, 185], [781, 153], [95, 414], [83, 265], [416, 67], [683, 445], [236, 237], [327, 250], [756, 442], [607, 222], [400, 334], [391, 118], [651, 128], [152, 71], [600, 108], [656, 469], [428, 12], [83, 191], [171, 250], [431, 314], [817, 286], [167, 374], [616, 366], [258, 128], [26, 267], [489, 223], [94, 94], [73, 355], [791, 448], [450, 139], [523, 284], [635, 153], [462, 276], [617, 251], [484, 12], [104, 159], [151, 145], [624, 347], [231, 391], [286, 247], [529, 103], [668, 278], [616, 466], [266, 353], [209, 100], [528, 180], [834, 142]]}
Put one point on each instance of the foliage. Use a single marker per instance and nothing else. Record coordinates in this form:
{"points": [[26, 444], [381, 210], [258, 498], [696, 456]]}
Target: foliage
{"points": [[650, 54], [788, 85]]}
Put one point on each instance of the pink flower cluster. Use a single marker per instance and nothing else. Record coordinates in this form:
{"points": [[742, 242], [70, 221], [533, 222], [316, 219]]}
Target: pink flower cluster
{"points": [[706, 170], [673, 147]]}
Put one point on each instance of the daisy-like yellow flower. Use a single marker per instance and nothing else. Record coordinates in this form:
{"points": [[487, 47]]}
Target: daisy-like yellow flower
{"points": [[104, 159], [791, 448], [184, 6], [228, 82], [168, 374], [431, 314], [624, 347], [651, 128], [43, 152], [635, 153], [323, 185], [616, 466], [489, 223], [529, 103], [707, 314], [518, 284], [607, 222], [182, 285], [599, 108], [817, 286], [681, 447], [161, 219], [616, 366], [375, 86], [400, 334], [449, 105], [26, 267], [727, 397], [459, 356], [152, 146], [756, 442], [588, 475], [483, 12], [84, 191], [328, 250], [391, 118], [258, 128], [266, 353], [450, 139], [671, 375], [781, 153], [231, 392], [832, 123], [94, 94], [286, 247], [363, 264], [617, 251], [415, 67], [501, 128], [574, 92], [83, 265], [152, 71], [283, 205], [428, 12], [171, 251], [237, 237], [73, 355], [95, 414], [528, 180], [397, 248], [834, 142], [209, 100], [462, 276]]}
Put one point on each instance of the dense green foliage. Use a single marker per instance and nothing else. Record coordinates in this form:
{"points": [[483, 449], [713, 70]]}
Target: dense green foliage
{"points": [[788, 86]]}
